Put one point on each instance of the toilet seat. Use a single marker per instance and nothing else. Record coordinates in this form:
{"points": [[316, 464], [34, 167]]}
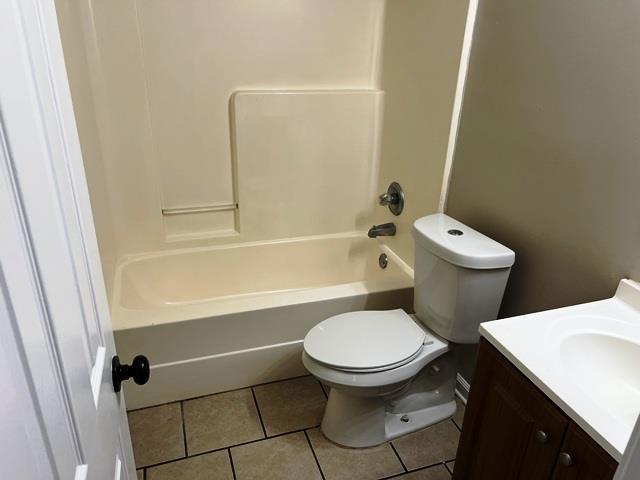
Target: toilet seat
{"points": [[381, 379], [366, 341]]}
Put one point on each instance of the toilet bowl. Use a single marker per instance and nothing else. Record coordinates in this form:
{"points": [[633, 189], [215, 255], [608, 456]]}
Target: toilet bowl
{"points": [[379, 395], [376, 394], [392, 373]]}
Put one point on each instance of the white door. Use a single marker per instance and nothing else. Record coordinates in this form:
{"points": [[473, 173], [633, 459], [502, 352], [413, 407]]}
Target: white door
{"points": [[52, 295]]}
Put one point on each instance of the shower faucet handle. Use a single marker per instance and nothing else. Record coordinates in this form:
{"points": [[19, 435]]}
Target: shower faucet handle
{"points": [[388, 199], [393, 198]]}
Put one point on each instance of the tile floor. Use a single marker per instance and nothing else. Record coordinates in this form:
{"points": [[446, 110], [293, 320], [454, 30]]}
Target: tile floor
{"points": [[271, 431]]}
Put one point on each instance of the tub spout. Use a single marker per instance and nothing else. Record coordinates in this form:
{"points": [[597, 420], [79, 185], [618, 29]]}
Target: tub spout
{"points": [[384, 230]]}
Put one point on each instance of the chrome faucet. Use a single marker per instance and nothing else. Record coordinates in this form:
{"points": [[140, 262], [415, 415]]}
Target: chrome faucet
{"points": [[384, 230]]}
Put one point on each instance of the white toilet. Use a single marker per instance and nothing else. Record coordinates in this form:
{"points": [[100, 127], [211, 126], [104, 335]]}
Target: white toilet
{"points": [[392, 373]]}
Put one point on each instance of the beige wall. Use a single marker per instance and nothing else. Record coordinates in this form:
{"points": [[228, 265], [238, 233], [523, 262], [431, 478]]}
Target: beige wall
{"points": [[420, 60], [548, 154]]}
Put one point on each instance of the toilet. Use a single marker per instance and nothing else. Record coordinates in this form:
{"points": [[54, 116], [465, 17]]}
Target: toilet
{"points": [[392, 373]]}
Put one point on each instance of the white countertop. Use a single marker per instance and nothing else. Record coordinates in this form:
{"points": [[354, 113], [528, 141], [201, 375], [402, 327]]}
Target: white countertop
{"points": [[586, 358]]}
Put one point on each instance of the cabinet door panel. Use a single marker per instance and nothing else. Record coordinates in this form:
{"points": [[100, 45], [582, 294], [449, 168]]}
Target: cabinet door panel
{"points": [[589, 460], [504, 414]]}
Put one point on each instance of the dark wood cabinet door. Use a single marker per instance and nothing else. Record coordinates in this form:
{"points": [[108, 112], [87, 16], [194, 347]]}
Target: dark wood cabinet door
{"points": [[511, 430], [589, 461]]}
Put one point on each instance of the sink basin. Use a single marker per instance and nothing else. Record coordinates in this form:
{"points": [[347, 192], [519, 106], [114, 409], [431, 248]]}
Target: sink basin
{"points": [[586, 358], [607, 369]]}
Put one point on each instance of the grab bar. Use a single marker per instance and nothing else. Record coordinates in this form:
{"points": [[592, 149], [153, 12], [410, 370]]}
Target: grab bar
{"points": [[221, 207]]}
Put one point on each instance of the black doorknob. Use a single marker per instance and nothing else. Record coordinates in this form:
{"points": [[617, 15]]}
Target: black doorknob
{"points": [[138, 370]]}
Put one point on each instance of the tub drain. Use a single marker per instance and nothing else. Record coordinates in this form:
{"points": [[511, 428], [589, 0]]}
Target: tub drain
{"points": [[404, 418]]}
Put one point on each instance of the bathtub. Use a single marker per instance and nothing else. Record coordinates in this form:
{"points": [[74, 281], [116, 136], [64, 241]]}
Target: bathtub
{"points": [[218, 318]]}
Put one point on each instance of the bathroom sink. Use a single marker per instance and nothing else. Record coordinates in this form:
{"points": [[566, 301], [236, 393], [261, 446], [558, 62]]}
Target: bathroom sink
{"points": [[606, 368], [586, 358]]}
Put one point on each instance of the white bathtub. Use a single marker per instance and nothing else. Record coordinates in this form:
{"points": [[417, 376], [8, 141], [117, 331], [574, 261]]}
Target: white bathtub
{"points": [[213, 319]]}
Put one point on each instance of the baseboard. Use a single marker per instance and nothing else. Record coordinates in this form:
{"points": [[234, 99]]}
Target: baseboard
{"points": [[191, 378], [462, 388]]}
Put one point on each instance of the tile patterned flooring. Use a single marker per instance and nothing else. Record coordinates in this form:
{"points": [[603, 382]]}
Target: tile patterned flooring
{"points": [[271, 431]]}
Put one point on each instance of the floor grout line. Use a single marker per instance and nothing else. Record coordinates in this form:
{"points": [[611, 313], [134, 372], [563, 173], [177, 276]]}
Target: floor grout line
{"points": [[313, 452], [398, 456], [456, 425], [255, 400], [217, 393], [427, 467], [324, 392], [446, 465], [233, 468], [229, 447], [184, 430]]}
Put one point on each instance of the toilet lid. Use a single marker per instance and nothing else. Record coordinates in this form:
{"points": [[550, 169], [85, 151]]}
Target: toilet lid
{"points": [[364, 340]]}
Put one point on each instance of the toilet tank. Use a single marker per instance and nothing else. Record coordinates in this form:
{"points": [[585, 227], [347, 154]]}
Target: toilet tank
{"points": [[459, 277]]}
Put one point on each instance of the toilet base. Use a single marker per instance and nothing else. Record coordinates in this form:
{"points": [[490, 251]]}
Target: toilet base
{"points": [[361, 421]]}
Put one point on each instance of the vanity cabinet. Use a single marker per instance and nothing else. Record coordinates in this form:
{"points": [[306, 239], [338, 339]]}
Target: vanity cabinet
{"points": [[512, 430]]}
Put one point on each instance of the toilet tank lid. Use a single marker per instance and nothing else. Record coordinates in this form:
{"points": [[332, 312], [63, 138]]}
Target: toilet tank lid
{"points": [[460, 245]]}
